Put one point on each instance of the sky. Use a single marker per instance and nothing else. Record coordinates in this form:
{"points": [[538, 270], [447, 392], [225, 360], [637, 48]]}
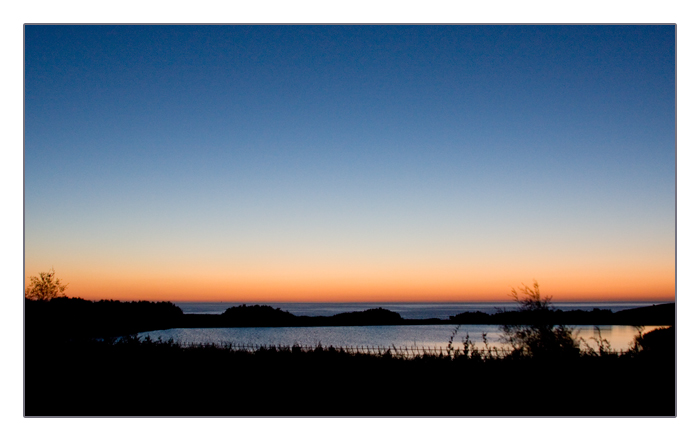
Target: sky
{"points": [[351, 163]]}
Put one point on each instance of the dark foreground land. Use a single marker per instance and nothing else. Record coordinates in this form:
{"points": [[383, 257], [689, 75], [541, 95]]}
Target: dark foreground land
{"points": [[134, 378], [70, 373]]}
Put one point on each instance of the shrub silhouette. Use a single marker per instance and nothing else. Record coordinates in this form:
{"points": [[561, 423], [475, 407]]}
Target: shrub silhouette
{"points": [[540, 337], [657, 342], [45, 287]]}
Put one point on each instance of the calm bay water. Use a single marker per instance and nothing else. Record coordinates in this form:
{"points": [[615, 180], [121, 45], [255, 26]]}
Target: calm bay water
{"points": [[433, 336], [406, 310]]}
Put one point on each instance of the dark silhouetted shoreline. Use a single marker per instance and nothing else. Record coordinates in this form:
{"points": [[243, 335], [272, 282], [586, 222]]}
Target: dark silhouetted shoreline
{"points": [[75, 317]]}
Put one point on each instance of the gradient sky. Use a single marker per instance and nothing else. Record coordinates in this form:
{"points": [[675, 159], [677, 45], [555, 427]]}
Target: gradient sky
{"points": [[334, 163]]}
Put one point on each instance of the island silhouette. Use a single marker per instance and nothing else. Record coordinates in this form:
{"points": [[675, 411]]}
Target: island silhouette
{"points": [[77, 317]]}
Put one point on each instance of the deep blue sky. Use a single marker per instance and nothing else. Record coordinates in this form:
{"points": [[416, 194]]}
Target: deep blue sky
{"points": [[322, 154]]}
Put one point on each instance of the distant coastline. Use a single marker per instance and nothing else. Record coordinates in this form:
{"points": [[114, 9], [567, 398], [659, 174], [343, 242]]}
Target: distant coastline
{"points": [[407, 310], [267, 316], [75, 317]]}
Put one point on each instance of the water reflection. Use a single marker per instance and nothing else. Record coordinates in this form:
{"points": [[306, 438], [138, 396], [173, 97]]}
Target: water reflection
{"points": [[429, 336]]}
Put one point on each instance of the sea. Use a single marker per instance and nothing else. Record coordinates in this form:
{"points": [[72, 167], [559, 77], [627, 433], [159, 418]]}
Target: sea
{"points": [[404, 336], [406, 310]]}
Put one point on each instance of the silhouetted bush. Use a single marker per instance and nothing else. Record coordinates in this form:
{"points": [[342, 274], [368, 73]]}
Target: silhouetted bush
{"points": [[45, 287], [659, 342], [540, 338]]}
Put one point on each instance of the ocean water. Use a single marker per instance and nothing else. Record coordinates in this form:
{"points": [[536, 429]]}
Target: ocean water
{"points": [[416, 336], [406, 310], [425, 336]]}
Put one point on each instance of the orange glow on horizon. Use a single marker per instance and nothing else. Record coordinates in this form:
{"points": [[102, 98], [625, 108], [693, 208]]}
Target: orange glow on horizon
{"points": [[366, 279], [368, 286]]}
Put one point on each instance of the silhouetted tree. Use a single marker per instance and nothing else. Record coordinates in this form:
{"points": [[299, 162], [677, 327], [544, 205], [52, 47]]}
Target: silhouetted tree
{"points": [[540, 336], [45, 287]]}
